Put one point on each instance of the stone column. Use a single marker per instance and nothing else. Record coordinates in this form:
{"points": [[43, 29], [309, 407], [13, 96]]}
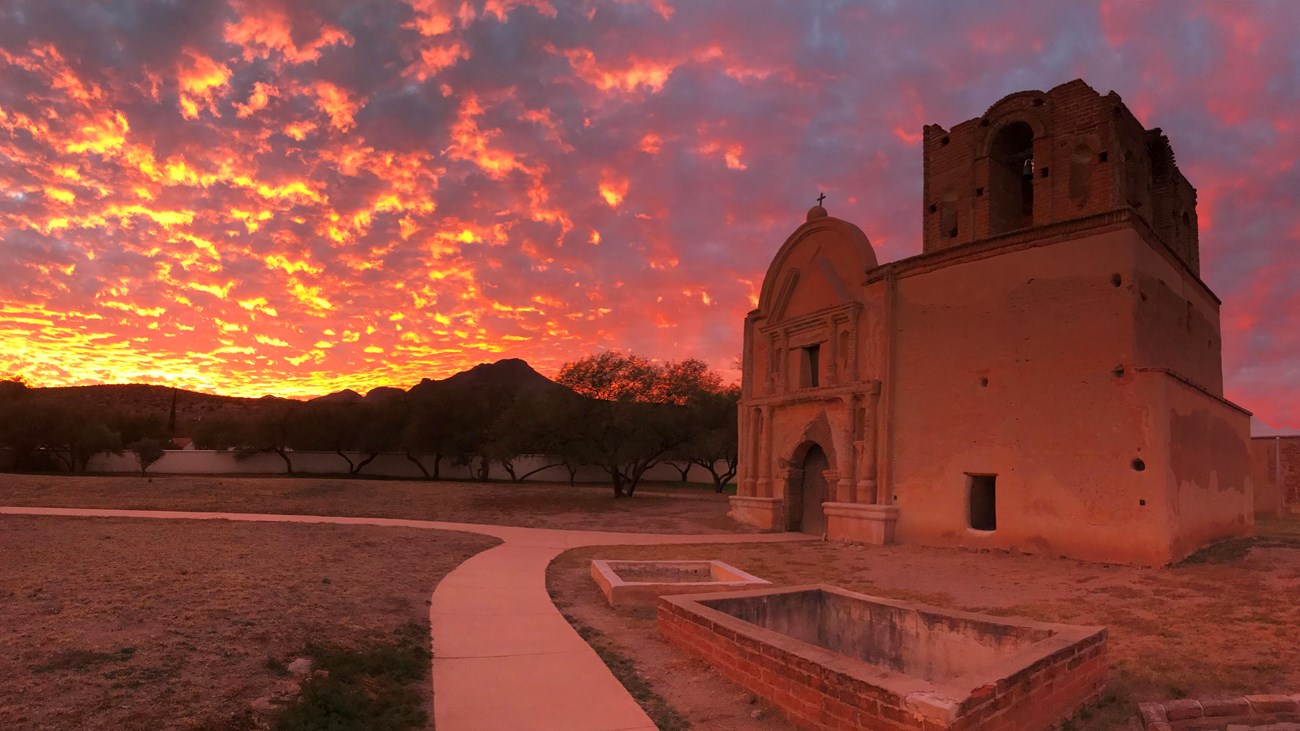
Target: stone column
{"points": [[832, 363], [848, 450], [781, 491], [748, 463], [763, 460], [869, 464]]}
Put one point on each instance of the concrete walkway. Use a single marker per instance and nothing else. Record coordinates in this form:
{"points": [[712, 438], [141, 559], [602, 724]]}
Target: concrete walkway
{"points": [[503, 656]]}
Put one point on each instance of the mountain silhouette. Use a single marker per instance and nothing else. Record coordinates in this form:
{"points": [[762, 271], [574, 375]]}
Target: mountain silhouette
{"points": [[502, 381]]}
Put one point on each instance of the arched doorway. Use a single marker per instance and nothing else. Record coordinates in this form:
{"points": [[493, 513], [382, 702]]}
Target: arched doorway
{"points": [[806, 498]]}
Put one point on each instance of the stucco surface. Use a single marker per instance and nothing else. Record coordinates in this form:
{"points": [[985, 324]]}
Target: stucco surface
{"points": [[1072, 366]]}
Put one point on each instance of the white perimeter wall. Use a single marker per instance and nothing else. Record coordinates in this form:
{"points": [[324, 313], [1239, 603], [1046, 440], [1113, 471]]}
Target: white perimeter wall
{"points": [[202, 461]]}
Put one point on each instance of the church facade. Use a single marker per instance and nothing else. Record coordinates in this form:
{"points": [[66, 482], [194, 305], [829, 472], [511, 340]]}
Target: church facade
{"points": [[1045, 376]]}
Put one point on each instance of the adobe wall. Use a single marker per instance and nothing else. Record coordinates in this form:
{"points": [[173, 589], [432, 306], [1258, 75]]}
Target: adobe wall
{"points": [[1207, 469], [1177, 319], [1275, 467], [1007, 365], [1289, 474]]}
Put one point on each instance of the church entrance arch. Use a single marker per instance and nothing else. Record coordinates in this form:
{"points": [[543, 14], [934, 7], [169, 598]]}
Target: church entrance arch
{"points": [[808, 491]]}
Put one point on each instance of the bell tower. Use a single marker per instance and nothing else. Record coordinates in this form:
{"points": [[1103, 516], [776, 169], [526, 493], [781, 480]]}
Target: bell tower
{"points": [[1037, 158]]}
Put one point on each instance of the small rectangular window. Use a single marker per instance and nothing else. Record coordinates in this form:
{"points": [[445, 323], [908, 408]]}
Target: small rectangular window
{"points": [[811, 367], [983, 506]]}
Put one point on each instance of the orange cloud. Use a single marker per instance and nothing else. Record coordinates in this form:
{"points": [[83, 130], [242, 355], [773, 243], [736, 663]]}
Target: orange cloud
{"points": [[630, 74], [257, 100], [613, 191], [200, 78], [262, 31]]}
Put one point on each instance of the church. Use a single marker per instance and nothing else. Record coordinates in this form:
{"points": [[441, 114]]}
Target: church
{"points": [[1044, 377]]}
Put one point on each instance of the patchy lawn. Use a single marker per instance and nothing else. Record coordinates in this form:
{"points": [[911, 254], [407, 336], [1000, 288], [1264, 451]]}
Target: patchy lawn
{"points": [[665, 509], [1224, 623], [130, 624]]}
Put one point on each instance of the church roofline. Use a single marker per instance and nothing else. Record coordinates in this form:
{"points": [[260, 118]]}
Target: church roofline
{"points": [[850, 231], [1034, 236]]}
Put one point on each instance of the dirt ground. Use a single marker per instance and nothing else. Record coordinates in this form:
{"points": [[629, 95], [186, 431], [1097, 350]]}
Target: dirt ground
{"points": [[535, 505], [131, 624], [1230, 625]]}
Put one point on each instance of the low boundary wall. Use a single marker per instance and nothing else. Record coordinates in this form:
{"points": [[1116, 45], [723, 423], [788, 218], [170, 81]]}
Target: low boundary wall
{"points": [[217, 462]]}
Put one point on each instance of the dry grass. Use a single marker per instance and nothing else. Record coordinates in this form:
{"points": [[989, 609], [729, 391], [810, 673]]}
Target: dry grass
{"points": [[133, 624], [536, 505], [1225, 626]]}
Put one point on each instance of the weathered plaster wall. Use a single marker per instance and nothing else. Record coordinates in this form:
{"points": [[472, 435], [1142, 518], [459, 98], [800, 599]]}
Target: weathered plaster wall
{"points": [[1208, 465], [1177, 319], [1006, 365], [1275, 468]]}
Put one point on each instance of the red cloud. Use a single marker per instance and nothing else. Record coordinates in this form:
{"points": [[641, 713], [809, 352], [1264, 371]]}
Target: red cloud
{"points": [[289, 197]]}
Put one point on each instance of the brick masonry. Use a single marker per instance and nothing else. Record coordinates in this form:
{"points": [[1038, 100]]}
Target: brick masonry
{"points": [[814, 696], [1275, 712], [1090, 155]]}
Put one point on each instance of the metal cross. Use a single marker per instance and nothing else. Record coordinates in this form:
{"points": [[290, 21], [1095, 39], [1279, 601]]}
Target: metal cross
{"points": [[821, 198]]}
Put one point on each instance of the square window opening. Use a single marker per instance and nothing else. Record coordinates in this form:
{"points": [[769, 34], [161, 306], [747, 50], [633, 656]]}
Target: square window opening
{"points": [[982, 498]]}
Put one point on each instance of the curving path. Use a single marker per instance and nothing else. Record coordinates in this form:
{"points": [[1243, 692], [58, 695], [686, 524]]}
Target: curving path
{"points": [[503, 656]]}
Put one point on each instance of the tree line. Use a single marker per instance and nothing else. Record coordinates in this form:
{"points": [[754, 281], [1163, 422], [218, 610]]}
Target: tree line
{"points": [[619, 412], [65, 432]]}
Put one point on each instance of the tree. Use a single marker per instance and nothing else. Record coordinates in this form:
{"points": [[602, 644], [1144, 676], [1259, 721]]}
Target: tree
{"points": [[612, 376], [526, 426], [715, 437], [448, 424], [267, 431], [653, 411], [218, 432], [91, 436], [147, 451], [637, 413], [324, 427], [424, 433], [348, 428], [380, 426]]}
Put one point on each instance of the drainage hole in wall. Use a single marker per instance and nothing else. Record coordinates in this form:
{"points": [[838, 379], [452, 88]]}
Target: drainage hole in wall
{"points": [[1138, 464], [984, 381], [1142, 502], [1116, 280]]}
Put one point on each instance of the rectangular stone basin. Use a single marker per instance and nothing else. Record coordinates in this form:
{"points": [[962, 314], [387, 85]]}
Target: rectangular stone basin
{"points": [[831, 659], [632, 583]]}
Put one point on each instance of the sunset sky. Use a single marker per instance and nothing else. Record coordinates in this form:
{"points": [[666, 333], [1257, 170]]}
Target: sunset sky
{"points": [[297, 197]]}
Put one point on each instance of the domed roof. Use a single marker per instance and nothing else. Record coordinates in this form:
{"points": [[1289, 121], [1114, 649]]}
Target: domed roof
{"points": [[841, 247]]}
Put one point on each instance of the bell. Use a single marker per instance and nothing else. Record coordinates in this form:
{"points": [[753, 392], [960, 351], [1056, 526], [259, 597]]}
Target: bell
{"points": [[1028, 170]]}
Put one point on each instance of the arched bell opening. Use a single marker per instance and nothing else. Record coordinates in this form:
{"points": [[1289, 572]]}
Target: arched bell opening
{"points": [[1011, 179]]}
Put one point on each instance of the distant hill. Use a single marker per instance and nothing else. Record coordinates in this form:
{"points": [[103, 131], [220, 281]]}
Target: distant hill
{"points": [[191, 406], [507, 378], [346, 396]]}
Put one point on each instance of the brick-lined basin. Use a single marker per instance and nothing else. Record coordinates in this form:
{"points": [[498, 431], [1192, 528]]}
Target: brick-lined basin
{"points": [[1274, 711], [834, 659], [632, 583]]}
